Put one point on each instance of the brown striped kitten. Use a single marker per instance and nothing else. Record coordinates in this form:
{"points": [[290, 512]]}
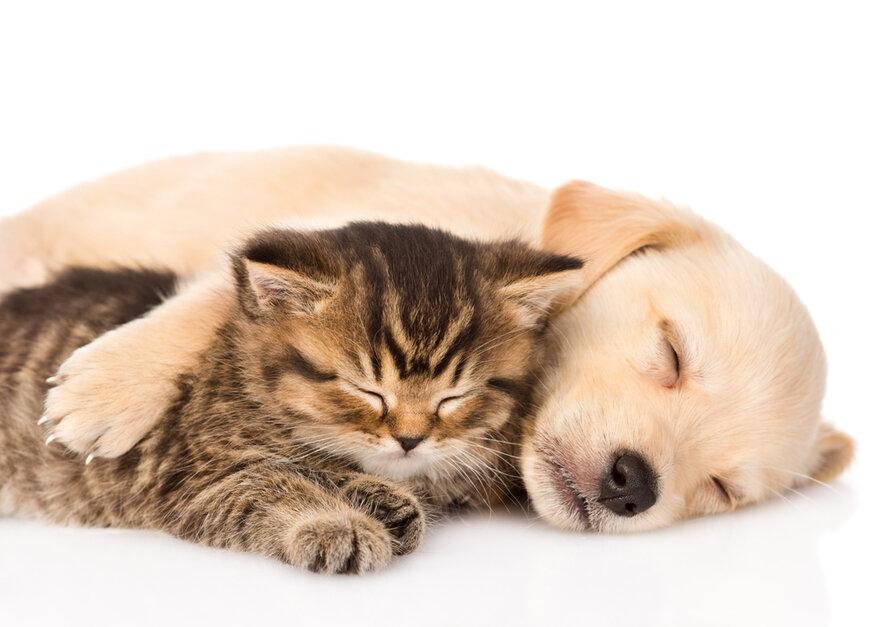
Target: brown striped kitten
{"points": [[364, 373]]}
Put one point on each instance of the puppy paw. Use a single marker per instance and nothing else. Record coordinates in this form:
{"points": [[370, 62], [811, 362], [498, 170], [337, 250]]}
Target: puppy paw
{"points": [[103, 401], [340, 543], [393, 505]]}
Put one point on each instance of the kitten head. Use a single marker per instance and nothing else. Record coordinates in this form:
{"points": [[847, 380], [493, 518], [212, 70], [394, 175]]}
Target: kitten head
{"points": [[402, 348]]}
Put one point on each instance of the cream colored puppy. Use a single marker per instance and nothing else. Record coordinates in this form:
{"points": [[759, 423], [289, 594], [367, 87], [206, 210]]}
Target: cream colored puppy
{"points": [[689, 378]]}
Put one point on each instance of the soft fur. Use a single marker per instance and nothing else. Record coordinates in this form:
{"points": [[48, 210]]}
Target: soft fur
{"points": [[338, 344], [739, 423], [689, 351]]}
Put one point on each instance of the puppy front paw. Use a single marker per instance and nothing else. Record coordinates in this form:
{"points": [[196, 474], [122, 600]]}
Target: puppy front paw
{"points": [[103, 401], [340, 543], [391, 504]]}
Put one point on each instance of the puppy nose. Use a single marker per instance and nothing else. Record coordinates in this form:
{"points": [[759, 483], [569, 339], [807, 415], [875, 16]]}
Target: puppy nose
{"points": [[410, 442], [629, 487]]}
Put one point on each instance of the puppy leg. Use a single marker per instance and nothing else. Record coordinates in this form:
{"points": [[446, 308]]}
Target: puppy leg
{"points": [[110, 393]]}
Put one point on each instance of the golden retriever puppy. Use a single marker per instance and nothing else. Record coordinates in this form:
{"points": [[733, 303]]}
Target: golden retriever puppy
{"points": [[688, 379]]}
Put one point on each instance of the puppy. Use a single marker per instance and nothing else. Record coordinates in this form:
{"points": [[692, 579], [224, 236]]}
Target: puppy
{"points": [[688, 378]]}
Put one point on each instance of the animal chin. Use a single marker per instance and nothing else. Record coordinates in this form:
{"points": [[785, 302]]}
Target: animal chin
{"points": [[396, 465]]}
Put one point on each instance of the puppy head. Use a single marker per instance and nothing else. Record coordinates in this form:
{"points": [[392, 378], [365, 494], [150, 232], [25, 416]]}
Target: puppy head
{"points": [[689, 378]]}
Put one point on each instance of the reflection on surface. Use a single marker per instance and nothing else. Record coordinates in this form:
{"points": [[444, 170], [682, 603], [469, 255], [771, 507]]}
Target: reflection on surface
{"points": [[754, 567]]}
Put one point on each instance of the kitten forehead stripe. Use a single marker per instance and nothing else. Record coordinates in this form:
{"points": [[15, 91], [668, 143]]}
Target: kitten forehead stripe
{"points": [[459, 345], [396, 352], [297, 362]]}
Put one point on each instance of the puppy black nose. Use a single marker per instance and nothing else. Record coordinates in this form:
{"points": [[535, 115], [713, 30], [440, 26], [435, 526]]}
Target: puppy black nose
{"points": [[629, 487], [409, 443]]}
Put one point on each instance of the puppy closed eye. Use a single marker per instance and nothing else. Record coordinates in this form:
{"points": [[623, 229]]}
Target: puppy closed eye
{"points": [[725, 491], [667, 366]]}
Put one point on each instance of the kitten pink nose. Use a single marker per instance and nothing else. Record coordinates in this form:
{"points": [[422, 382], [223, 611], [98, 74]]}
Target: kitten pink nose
{"points": [[410, 442]]}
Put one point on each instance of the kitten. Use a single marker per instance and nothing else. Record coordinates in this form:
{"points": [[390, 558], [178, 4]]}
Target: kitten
{"points": [[352, 358]]}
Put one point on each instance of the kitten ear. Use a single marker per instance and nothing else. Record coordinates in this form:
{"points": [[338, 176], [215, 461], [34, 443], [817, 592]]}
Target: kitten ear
{"points": [[285, 271], [833, 453], [538, 284], [264, 288], [536, 299]]}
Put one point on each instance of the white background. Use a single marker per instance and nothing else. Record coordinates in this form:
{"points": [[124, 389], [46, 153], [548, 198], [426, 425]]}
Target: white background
{"points": [[764, 117]]}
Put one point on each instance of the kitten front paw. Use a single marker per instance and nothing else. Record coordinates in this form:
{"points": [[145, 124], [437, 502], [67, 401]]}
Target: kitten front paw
{"points": [[394, 506], [104, 401], [340, 543]]}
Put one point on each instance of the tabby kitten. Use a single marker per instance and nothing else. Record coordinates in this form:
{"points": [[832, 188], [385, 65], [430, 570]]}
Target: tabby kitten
{"points": [[352, 357]]}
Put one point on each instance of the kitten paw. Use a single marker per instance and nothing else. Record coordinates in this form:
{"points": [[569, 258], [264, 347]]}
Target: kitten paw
{"points": [[104, 401], [340, 543], [394, 506]]}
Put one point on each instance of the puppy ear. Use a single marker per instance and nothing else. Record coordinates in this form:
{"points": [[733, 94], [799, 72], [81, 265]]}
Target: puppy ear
{"points": [[603, 227], [833, 453], [537, 284], [285, 272]]}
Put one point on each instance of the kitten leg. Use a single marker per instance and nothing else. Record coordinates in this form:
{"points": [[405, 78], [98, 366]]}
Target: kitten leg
{"points": [[394, 505], [275, 511], [108, 394]]}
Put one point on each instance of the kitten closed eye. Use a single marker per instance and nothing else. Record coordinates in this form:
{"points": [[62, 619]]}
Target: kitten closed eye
{"points": [[375, 399], [449, 405]]}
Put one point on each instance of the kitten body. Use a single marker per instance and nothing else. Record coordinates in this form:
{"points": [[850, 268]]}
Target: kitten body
{"points": [[350, 354]]}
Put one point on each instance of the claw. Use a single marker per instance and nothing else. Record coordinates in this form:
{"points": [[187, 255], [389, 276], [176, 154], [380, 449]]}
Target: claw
{"points": [[43, 419], [54, 380], [89, 458], [50, 439]]}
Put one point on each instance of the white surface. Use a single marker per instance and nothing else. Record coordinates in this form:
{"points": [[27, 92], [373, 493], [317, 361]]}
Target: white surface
{"points": [[765, 118], [768, 566]]}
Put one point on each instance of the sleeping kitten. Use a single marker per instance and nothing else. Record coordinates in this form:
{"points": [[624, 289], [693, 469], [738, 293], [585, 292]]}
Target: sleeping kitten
{"points": [[352, 357]]}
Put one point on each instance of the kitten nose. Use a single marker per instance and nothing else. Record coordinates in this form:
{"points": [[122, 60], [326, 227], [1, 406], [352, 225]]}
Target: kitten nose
{"points": [[629, 487], [410, 442]]}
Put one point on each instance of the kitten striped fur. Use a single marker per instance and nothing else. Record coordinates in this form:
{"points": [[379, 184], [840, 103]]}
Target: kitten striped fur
{"points": [[365, 374]]}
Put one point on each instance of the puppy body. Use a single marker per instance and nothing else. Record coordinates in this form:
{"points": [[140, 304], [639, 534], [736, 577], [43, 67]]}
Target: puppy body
{"points": [[686, 350], [183, 211]]}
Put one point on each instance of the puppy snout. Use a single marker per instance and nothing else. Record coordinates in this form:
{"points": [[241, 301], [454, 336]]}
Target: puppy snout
{"points": [[629, 487]]}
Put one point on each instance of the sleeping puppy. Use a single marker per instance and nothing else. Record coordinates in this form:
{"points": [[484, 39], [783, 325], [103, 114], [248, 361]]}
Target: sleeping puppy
{"points": [[688, 378]]}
